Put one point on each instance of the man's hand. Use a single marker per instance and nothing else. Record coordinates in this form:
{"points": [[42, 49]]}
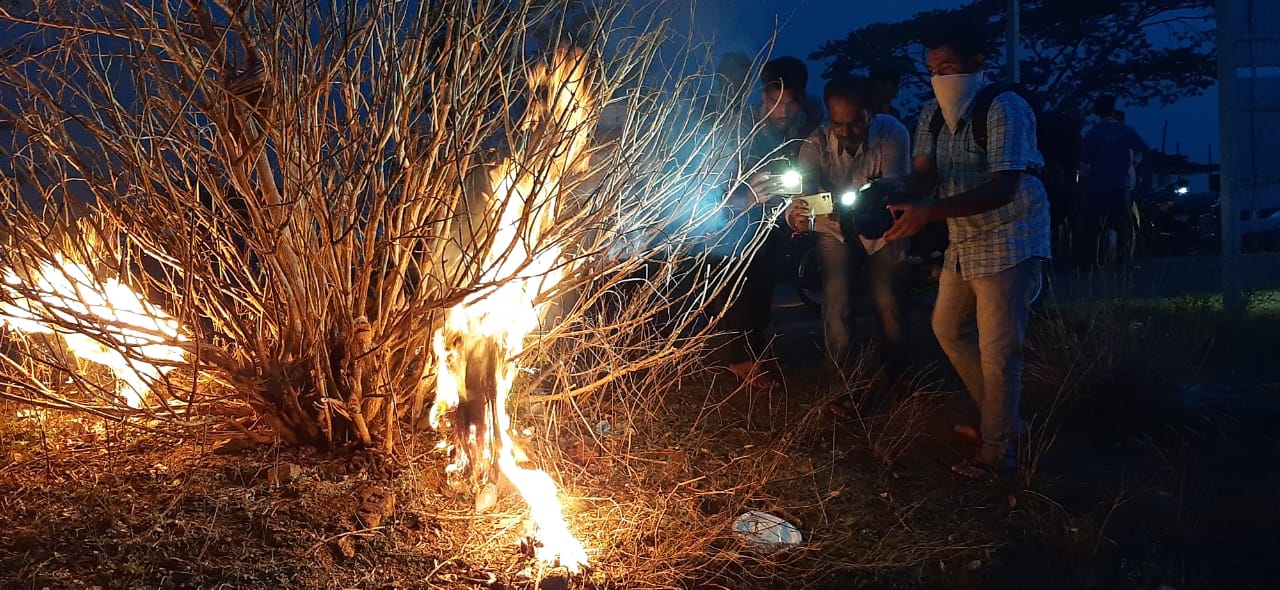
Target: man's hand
{"points": [[764, 187], [798, 215], [758, 189], [908, 220]]}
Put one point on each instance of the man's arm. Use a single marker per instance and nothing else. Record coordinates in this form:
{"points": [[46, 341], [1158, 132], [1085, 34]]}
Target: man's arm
{"points": [[995, 193], [809, 162], [998, 191], [923, 173], [1009, 148], [1088, 146], [895, 149], [923, 178], [1136, 143]]}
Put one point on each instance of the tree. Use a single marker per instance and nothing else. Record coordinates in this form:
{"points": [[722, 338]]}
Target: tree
{"points": [[1147, 51]]}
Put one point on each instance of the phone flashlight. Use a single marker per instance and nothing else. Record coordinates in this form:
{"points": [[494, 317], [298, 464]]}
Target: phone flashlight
{"points": [[790, 180]]}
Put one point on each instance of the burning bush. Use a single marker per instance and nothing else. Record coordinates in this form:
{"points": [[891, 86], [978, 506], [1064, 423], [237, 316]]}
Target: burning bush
{"points": [[328, 206]]}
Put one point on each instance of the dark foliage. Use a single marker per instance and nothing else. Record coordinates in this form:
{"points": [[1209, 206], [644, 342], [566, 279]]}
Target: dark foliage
{"points": [[1146, 51]]}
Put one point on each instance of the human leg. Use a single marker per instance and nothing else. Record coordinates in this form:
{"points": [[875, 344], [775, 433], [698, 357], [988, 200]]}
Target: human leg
{"points": [[1087, 239], [1003, 303], [886, 269], [749, 314], [836, 300], [955, 325]]}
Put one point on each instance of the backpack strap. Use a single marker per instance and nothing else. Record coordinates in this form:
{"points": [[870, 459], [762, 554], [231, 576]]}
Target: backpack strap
{"points": [[978, 115], [936, 123], [982, 106]]}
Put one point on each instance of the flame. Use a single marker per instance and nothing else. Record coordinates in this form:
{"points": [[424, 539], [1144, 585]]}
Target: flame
{"points": [[65, 294], [476, 346]]}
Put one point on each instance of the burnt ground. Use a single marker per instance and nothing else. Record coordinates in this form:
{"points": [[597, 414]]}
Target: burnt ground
{"points": [[1151, 464]]}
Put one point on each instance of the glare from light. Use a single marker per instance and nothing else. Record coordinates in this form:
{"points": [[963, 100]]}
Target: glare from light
{"points": [[849, 198], [61, 294], [791, 179], [1182, 190]]}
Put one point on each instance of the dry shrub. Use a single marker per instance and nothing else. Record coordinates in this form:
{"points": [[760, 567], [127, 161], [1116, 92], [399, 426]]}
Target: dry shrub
{"points": [[305, 187], [1117, 368]]}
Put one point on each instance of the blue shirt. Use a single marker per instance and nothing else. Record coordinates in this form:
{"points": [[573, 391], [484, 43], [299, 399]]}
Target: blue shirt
{"points": [[1108, 150]]}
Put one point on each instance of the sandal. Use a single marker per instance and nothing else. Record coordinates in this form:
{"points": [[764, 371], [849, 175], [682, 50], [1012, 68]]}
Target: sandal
{"points": [[752, 374], [981, 471]]}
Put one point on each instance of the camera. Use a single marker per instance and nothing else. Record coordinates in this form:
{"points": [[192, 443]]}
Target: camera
{"points": [[868, 209]]}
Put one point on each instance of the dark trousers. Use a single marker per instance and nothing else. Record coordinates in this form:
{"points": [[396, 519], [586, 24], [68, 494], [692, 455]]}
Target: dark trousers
{"points": [[748, 316], [1099, 215]]}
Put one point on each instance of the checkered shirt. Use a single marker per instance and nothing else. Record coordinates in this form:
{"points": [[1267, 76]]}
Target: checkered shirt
{"points": [[987, 243]]}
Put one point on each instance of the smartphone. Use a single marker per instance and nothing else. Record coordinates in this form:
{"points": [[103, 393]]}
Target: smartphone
{"points": [[819, 204], [788, 183]]}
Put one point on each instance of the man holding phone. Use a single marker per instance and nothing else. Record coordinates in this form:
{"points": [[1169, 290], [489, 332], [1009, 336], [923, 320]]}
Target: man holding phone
{"points": [[785, 118], [854, 148]]}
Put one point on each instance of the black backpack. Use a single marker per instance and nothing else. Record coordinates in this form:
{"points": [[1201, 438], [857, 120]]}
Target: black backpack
{"points": [[981, 106], [1048, 135]]}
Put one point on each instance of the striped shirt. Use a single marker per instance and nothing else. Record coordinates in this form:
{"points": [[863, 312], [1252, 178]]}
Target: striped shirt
{"points": [[988, 243]]}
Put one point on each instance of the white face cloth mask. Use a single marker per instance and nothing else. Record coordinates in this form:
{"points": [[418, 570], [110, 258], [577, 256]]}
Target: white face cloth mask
{"points": [[954, 93]]}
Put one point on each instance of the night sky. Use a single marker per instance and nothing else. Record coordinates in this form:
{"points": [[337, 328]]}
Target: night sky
{"points": [[747, 25]]}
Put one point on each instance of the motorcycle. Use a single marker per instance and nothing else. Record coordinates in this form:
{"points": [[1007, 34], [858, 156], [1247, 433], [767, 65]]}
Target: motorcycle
{"points": [[1174, 221]]}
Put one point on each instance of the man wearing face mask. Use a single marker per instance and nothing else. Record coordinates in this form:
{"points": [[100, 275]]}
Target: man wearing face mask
{"points": [[841, 156], [997, 213]]}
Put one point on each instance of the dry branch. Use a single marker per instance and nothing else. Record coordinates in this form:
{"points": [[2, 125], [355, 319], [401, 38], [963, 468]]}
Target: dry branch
{"points": [[298, 186]]}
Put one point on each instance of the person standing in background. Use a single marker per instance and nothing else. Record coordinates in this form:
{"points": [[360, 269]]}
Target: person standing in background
{"points": [[1109, 154]]}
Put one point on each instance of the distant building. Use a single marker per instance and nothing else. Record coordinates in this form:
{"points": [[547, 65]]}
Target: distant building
{"points": [[1249, 83]]}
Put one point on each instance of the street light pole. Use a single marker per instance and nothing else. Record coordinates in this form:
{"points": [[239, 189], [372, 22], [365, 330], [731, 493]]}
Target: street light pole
{"points": [[1229, 210], [1011, 39]]}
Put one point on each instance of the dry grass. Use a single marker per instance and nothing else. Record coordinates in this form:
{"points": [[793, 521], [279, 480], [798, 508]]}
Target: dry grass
{"points": [[1119, 365], [891, 420], [653, 501]]}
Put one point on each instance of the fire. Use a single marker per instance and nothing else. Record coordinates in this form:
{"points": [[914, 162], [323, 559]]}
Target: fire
{"points": [[62, 295], [477, 344]]}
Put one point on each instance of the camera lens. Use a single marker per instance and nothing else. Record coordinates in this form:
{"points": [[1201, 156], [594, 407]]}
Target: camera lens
{"points": [[873, 223]]}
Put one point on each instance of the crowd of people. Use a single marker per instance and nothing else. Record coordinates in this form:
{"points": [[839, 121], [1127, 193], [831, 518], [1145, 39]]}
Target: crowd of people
{"points": [[975, 166]]}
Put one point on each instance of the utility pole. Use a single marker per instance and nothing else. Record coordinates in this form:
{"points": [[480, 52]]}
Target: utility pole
{"points": [[1012, 38], [1232, 287]]}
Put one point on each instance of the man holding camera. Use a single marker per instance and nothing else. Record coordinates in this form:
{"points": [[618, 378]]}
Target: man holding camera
{"points": [[855, 148], [997, 213]]}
